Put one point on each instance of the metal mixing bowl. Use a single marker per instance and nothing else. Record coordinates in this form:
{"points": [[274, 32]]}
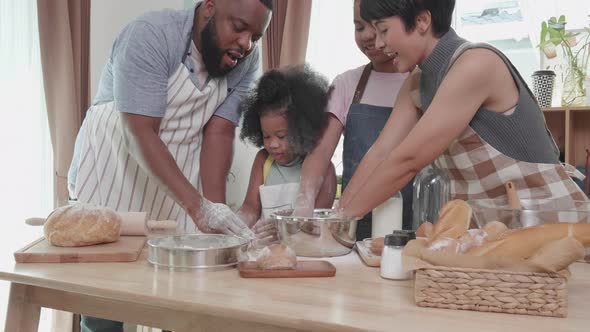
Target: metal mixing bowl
{"points": [[322, 235], [533, 212], [197, 251]]}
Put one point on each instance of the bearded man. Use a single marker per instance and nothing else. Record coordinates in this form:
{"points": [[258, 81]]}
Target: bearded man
{"points": [[158, 137]]}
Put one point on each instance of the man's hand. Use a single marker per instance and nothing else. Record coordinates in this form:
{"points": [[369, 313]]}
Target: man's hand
{"points": [[217, 217]]}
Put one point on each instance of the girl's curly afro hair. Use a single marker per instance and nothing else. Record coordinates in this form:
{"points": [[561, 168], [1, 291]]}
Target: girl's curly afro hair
{"points": [[299, 92]]}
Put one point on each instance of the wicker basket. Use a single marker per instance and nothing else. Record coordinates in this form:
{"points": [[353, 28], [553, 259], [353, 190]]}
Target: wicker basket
{"points": [[541, 294]]}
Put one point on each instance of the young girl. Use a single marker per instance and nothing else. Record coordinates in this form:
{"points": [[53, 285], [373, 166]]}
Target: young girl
{"points": [[285, 115], [359, 106]]}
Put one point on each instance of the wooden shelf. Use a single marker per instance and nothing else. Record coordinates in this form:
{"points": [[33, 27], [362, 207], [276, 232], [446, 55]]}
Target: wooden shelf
{"points": [[570, 126], [564, 109]]}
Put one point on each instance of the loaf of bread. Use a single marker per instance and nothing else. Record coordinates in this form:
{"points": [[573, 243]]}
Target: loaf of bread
{"points": [[377, 246], [453, 221], [424, 230], [524, 242], [277, 257], [445, 244], [80, 225], [541, 248], [494, 229], [558, 255], [471, 239]]}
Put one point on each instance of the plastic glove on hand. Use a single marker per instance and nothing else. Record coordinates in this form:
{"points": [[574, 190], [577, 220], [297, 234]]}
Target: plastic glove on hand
{"points": [[217, 217]]}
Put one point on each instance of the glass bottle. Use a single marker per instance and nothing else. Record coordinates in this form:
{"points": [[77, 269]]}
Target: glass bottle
{"points": [[431, 192], [387, 217]]}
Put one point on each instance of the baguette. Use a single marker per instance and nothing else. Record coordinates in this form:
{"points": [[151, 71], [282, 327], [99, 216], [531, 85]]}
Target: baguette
{"points": [[523, 243], [471, 239], [425, 230], [453, 221], [558, 255], [439, 258], [446, 245], [494, 229]]}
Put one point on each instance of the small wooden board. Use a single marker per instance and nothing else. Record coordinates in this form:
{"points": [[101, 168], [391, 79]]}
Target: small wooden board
{"points": [[367, 256], [304, 269], [126, 249]]}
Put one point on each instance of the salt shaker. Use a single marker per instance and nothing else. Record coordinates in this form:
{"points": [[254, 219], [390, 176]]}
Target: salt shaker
{"points": [[411, 234], [391, 258], [387, 216]]}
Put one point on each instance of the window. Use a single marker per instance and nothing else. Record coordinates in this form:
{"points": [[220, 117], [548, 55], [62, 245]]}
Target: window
{"points": [[26, 180], [331, 47], [502, 24], [514, 26]]}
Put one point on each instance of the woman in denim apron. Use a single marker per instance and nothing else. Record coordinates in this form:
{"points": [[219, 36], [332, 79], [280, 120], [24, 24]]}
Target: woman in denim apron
{"points": [[363, 125], [360, 104]]}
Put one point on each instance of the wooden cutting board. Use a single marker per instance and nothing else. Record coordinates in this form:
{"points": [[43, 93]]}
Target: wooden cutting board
{"points": [[367, 256], [127, 249], [304, 269]]}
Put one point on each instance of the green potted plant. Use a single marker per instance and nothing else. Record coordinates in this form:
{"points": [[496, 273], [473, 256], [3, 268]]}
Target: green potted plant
{"points": [[576, 52]]}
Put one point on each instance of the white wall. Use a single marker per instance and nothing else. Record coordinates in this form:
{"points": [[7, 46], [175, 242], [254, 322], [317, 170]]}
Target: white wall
{"points": [[108, 18], [239, 177]]}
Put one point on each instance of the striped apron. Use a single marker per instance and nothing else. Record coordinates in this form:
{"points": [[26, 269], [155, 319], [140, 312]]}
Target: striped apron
{"points": [[109, 175]]}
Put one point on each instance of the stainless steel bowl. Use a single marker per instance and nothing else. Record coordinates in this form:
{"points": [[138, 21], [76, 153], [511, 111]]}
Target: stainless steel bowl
{"points": [[197, 251], [322, 235]]}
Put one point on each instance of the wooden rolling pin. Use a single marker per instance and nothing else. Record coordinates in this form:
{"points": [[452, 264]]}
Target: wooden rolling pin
{"points": [[133, 223], [513, 201]]}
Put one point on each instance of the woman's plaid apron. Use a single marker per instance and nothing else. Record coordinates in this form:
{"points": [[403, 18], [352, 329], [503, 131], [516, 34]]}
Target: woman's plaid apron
{"points": [[478, 171]]}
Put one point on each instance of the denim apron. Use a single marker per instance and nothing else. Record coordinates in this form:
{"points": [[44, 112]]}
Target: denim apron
{"points": [[363, 125]]}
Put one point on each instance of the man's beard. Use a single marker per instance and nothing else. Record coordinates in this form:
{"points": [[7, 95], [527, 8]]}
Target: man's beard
{"points": [[212, 54]]}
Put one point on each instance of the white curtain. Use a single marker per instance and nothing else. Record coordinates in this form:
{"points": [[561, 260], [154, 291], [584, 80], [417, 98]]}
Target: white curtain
{"points": [[333, 51], [26, 185]]}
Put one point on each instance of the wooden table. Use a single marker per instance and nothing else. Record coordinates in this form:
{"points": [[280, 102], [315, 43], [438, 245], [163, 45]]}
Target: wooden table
{"points": [[356, 299]]}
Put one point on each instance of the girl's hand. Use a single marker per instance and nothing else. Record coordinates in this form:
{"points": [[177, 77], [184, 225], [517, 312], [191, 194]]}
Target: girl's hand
{"points": [[266, 232]]}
